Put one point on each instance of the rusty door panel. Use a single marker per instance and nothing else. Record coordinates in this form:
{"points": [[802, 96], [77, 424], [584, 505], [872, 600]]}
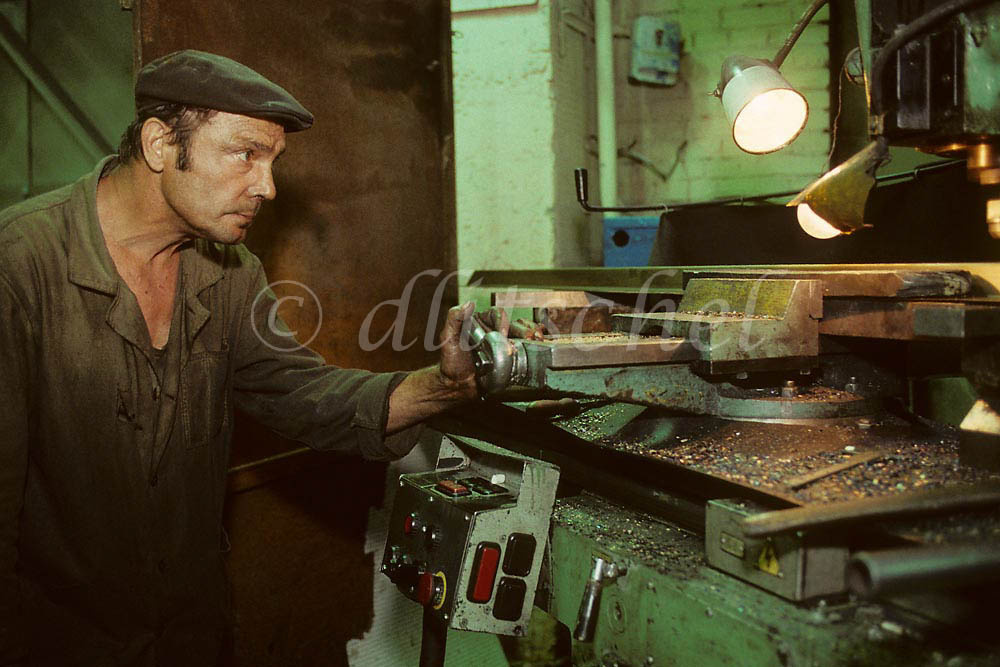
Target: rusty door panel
{"points": [[365, 205]]}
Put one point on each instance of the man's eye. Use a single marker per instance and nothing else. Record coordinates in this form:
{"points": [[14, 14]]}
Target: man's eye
{"points": [[246, 155]]}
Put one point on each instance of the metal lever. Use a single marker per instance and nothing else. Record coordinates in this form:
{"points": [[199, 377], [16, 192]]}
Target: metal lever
{"points": [[602, 572], [580, 176], [499, 361]]}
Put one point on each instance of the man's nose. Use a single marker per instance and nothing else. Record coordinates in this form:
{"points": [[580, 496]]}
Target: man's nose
{"points": [[263, 186]]}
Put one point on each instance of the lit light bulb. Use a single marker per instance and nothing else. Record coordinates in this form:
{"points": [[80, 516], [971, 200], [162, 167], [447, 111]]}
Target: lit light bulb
{"points": [[771, 120], [813, 224]]}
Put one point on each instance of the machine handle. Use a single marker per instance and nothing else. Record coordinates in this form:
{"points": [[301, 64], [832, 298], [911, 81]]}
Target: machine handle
{"points": [[602, 572], [587, 616], [498, 360], [580, 177]]}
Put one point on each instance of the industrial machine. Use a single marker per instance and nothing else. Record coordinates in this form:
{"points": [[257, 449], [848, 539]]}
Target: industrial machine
{"points": [[769, 466], [757, 465]]}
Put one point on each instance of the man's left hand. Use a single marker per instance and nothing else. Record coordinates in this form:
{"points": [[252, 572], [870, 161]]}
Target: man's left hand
{"points": [[456, 365]]}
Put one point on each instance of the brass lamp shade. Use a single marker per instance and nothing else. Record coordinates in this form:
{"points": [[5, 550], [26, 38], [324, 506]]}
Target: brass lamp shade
{"points": [[835, 203]]}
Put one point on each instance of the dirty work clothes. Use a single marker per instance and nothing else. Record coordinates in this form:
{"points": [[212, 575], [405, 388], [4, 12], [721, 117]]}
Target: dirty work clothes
{"points": [[113, 456]]}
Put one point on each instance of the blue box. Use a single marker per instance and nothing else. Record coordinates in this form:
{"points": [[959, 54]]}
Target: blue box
{"points": [[628, 241]]}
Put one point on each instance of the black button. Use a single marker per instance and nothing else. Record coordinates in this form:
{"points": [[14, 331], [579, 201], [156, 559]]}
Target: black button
{"points": [[162, 566], [520, 554], [510, 599], [154, 480]]}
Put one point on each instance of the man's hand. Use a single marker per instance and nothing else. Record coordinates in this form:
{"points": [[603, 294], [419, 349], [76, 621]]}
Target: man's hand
{"points": [[432, 390], [456, 363]]}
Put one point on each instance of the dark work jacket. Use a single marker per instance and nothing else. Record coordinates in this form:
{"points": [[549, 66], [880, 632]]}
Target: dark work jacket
{"points": [[113, 459]]}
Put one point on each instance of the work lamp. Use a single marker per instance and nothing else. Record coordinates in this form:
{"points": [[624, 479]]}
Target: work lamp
{"points": [[834, 203], [765, 112]]}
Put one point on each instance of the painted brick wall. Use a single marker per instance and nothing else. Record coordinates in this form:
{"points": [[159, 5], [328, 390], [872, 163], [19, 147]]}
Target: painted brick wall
{"points": [[504, 135], [525, 117], [659, 120]]}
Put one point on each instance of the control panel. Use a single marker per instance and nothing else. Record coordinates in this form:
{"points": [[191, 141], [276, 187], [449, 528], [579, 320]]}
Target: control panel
{"points": [[466, 539]]}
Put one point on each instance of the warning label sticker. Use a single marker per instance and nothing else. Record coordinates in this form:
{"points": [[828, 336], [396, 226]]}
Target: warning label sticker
{"points": [[768, 560]]}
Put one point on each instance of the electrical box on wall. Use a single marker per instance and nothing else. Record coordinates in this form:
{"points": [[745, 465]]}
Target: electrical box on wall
{"points": [[656, 51], [628, 241]]}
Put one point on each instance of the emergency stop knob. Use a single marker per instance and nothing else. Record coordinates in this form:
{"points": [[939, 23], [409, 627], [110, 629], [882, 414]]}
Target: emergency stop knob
{"points": [[430, 589]]}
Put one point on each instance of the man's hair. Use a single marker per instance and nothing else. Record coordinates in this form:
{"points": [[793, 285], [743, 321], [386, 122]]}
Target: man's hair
{"points": [[182, 120]]}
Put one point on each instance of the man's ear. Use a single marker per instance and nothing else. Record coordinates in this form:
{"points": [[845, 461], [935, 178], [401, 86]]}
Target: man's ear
{"points": [[155, 148]]}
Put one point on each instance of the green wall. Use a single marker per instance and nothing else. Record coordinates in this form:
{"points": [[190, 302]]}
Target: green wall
{"points": [[87, 48]]}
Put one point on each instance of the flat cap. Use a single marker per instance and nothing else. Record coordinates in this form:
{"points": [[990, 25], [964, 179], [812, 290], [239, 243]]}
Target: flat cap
{"points": [[207, 80]]}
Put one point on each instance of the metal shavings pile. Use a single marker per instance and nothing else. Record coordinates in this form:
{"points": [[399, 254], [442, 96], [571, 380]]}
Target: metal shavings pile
{"points": [[815, 394], [668, 549], [586, 339], [765, 455], [734, 314]]}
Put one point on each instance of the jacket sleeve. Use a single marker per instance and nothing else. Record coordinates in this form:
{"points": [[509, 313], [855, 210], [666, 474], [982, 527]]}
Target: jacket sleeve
{"points": [[292, 390], [16, 349]]}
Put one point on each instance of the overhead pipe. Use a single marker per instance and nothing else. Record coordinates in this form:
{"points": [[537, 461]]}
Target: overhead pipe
{"points": [[607, 139]]}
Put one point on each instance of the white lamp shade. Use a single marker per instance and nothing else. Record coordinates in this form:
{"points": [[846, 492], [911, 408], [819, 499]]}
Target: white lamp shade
{"points": [[765, 112]]}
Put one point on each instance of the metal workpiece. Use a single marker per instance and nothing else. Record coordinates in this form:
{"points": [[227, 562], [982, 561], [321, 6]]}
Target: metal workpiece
{"points": [[607, 349], [740, 320], [904, 571]]}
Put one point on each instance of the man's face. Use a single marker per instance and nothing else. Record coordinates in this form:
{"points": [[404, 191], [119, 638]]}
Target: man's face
{"points": [[228, 176]]}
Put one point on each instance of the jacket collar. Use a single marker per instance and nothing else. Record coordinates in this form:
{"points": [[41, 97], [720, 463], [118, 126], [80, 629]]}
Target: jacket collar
{"points": [[91, 266], [90, 263]]}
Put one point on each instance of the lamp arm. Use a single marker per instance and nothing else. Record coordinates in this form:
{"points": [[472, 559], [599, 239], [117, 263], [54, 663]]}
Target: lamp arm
{"points": [[905, 34], [793, 36]]}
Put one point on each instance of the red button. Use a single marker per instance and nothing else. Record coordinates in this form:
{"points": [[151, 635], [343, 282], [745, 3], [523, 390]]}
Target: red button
{"points": [[452, 488], [430, 588], [484, 572]]}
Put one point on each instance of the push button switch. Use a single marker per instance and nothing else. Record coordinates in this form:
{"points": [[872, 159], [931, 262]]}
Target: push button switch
{"points": [[450, 487], [510, 599], [520, 554], [431, 589], [484, 572]]}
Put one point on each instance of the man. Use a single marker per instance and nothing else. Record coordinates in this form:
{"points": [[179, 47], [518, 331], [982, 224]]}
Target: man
{"points": [[128, 335]]}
